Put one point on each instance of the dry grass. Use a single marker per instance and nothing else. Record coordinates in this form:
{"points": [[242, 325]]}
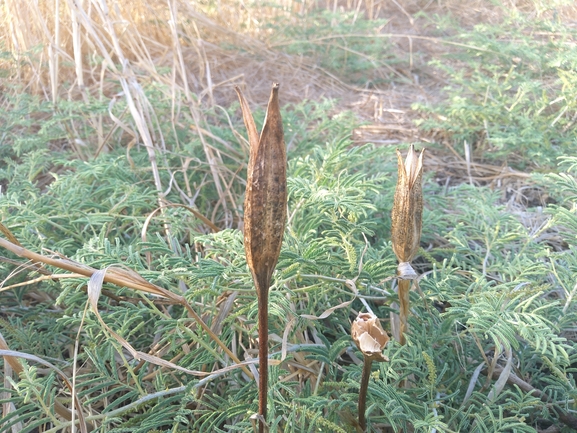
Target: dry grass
{"points": [[143, 33], [209, 49], [200, 52]]}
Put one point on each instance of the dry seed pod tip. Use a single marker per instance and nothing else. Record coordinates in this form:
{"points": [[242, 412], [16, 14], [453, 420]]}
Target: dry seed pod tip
{"points": [[406, 219]]}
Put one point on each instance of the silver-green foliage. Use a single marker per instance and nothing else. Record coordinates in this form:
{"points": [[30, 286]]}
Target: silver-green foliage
{"points": [[512, 86], [506, 289], [498, 284]]}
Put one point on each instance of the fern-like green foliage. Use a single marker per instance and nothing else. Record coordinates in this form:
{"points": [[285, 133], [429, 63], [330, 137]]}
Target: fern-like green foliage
{"points": [[497, 288], [507, 291], [497, 99]]}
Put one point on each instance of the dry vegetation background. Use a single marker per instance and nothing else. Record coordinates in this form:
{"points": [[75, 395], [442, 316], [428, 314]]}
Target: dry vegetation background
{"points": [[124, 60], [84, 49]]}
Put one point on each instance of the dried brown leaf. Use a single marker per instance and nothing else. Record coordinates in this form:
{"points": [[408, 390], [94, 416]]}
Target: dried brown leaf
{"points": [[327, 312]]}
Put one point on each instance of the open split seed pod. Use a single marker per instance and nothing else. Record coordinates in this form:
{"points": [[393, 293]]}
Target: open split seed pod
{"points": [[370, 337], [408, 212]]}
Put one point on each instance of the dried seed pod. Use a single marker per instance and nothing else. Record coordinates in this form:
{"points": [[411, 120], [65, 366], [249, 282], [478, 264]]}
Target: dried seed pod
{"points": [[265, 211], [406, 228], [407, 212], [369, 336], [371, 339], [265, 204]]}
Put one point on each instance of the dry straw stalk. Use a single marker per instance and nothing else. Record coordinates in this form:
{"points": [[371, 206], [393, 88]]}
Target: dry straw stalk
{"points": [[265, 211], [122, 278]]}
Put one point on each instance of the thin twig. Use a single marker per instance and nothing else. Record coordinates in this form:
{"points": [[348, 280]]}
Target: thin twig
{"points": [[565, 417]]}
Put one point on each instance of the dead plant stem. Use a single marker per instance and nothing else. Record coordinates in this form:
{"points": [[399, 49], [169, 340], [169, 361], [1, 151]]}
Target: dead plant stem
{"points": [[366, 375], [262, 355], [404, 291], [122, 278]]}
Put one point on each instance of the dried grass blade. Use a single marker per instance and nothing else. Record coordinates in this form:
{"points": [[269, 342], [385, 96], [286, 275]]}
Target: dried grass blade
{"points": [[327, 312], [122, 278], [502, 380], [472, 383], [9, 406], [54, 54], [77, 47], [248, 120], [94, 289], [225, 310], [13, 362], [15, 354], [6, 232]]}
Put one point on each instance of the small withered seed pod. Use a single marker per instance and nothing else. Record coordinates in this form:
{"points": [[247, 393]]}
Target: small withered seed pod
{"points": [[370, 337], [407, 212]]}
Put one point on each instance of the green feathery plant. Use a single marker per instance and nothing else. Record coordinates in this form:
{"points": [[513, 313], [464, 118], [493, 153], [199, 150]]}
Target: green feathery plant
{"points": [[491, 344], [511, 88], [497, 277]]}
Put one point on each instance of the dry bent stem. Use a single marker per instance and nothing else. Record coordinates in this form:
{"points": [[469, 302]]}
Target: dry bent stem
{"points": [[122, 278], [564, 416]]}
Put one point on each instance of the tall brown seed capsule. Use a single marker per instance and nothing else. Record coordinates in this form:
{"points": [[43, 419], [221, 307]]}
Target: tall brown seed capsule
{"points": [[265, 211], [406, 226]]}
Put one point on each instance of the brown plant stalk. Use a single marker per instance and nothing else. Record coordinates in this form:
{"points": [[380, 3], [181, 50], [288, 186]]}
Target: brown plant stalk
{"points": [[404, 300], [367, 366], [265, 211]]}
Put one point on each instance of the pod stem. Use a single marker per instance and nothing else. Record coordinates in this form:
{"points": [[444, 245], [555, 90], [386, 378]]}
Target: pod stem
{"points": [[404, 288], [363, 392], [262, 356]]}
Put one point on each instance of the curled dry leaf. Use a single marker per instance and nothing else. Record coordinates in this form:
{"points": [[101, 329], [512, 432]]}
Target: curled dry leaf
{"points": [[370, 337], [407, 212]]}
